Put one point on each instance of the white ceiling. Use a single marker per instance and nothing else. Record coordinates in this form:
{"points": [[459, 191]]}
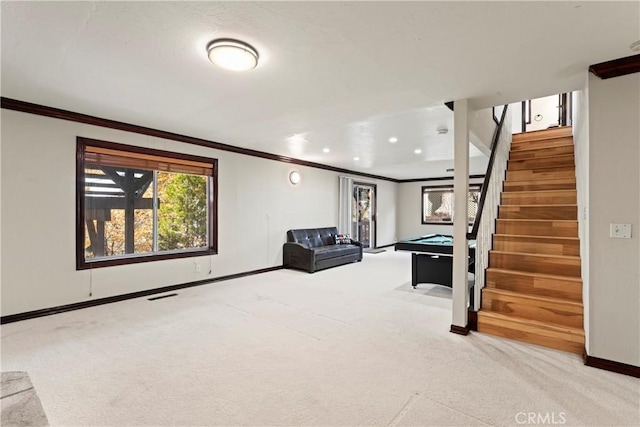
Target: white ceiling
{"points": [[341, 75]]}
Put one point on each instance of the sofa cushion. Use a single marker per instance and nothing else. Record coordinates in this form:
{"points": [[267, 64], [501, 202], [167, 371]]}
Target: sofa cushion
{"points": [[312, 237], [334, 251]]}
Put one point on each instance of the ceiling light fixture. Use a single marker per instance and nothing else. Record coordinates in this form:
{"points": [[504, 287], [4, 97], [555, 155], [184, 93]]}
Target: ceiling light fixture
{"points": [[232, 54], [417, 151], [635, 46], [393, 140], [355, 159], [325, 150]]}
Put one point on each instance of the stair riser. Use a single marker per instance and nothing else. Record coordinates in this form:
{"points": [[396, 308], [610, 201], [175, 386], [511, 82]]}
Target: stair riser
{"points": [[536, 264], [525, 244], [541, 174], [555, 197], [561, 132], [542, 163], [538, 212], [550, 184], [533, 285], [532, 309], [537, 152], [565, 342], [537, 228]]}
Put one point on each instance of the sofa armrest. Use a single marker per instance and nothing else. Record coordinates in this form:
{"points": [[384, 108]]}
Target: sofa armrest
{"points": [[297, 255]]}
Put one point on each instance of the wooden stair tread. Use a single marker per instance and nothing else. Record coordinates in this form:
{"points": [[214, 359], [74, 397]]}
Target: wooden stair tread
{"points": [[527, 236], [578, 332], [518, 146], [541, 206], [537, 220], [544, 179], [565, 190], [545, 299], [572, 257], [531, 274], [541, 174], [542, 150], [537, 135], [561, 141], [542, 158], [527, 181]]}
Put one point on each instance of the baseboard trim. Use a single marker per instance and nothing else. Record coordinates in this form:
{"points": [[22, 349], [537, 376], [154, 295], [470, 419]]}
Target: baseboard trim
{"points": [[117, 298], [459, 330], [610, 365], [385, 246], [472, 320]]}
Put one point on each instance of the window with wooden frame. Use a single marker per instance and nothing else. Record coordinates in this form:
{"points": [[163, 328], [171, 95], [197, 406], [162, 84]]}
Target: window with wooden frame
{"points": [[137, 204], [437, 203]]}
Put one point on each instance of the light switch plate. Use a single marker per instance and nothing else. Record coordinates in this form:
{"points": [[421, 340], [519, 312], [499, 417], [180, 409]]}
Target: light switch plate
{"points": [[620, 231]]}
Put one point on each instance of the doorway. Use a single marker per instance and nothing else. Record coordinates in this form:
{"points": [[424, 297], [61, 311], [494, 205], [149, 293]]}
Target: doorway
{"points": [[544, 113], [363, 214]]}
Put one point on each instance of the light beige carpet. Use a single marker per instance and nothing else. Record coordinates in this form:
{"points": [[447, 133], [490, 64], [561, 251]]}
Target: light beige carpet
{"points": [[353, 345], [20, 404]]}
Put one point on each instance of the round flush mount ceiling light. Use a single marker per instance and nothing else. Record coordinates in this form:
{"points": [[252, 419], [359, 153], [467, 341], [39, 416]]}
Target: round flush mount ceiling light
{"points": [[294, 177], [326, 150], [417, 151], [635, 46], [393, 140], [232, 54]]}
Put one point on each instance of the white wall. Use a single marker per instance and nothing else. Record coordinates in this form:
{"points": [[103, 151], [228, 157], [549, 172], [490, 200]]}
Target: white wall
{"points": [[546, 109], [481, 128], [256, 206], [580, 122], [410, 210], [614, 196]]}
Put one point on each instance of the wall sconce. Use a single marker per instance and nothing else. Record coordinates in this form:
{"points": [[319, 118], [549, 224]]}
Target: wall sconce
{"points": [[294, 177]]}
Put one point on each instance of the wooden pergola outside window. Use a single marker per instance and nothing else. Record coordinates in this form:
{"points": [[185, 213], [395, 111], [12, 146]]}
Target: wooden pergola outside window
{"points": [[136, 204]]}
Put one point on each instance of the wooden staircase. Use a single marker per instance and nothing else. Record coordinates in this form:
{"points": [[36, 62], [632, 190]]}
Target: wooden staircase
{"points": [[533, 290]]}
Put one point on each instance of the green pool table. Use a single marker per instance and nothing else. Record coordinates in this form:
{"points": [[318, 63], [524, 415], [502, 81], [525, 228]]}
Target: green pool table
{"points": [[432, 258]]}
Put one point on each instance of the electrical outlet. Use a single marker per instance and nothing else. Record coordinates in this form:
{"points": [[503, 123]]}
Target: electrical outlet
{"points": [[620, 231]]}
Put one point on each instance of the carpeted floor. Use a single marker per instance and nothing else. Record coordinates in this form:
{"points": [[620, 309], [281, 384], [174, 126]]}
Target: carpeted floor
{"points": [[374, 250], [353, 345], [20, 404]]}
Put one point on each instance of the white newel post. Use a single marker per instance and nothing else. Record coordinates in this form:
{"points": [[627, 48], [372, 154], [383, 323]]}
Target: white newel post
{"points": [[460, 215]]}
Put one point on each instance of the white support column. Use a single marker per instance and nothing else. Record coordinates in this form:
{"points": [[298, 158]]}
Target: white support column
{"points": [[460, 215]]}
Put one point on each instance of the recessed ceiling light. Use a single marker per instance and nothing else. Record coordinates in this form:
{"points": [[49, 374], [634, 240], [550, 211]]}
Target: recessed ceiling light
{"points": [[393, 140], [325, 150], [635, 46], [355, 159], [417, 151], [232, 54]]}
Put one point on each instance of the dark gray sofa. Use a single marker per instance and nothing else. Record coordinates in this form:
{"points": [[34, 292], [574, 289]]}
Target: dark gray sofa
{"points": [[313, 249]]}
